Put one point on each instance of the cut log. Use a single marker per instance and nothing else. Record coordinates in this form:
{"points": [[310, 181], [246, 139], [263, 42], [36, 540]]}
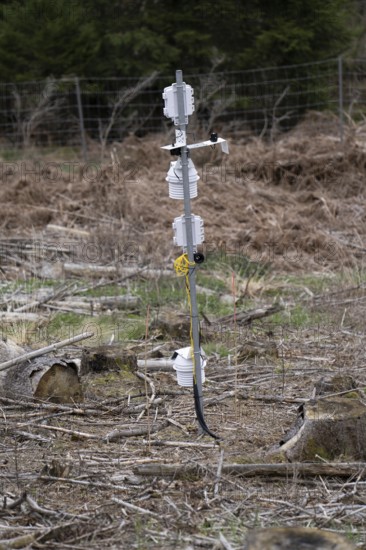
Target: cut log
{"points": [[287, 470], [108, 357], [102, 303], [246, 317], [118, 302], [331, 428], [14, 317], [98, 271], [89, 270], [118, 434], [43, 378], [299, 538]]}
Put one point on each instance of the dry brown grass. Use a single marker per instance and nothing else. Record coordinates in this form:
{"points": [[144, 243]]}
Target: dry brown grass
{"points": [[300, 201]]}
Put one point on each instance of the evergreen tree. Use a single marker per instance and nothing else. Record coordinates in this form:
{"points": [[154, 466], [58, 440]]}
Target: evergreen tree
{"points": [[39, 38]]}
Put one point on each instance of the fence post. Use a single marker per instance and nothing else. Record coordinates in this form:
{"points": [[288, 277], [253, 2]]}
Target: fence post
{"points": [[81, 120], [340, 98]]}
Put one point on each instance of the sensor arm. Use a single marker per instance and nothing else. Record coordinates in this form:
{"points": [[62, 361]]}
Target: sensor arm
{"points": [[208, 143]]}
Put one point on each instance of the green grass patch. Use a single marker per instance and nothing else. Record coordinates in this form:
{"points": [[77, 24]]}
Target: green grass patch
{"points": [[211, 305], [160, 292], [238, 263], [211, 281], [299, 317], [116, 327], [27, 286], [216, 347], [107, 290]]}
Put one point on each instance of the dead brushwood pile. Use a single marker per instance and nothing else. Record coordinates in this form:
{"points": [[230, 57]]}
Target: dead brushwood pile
{"points": [[124, 466], [298, 201]]}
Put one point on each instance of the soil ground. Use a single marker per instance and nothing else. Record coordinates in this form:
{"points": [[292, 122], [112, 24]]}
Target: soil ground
{"points": [[285, 224]]}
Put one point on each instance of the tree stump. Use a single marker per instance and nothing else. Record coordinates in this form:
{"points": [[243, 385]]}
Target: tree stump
{"points": [[253, 349], [331, 428], [339, 383], [171, 324], [108, 357], [43, 378], [46, 378], [295, 538]]}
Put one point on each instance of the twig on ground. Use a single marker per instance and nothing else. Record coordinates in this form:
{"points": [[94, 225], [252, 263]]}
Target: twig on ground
{"points": [[218, 475], [115, 435], [134, 508]]}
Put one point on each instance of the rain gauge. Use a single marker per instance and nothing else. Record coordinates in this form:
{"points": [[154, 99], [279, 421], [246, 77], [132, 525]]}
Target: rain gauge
{"points": [[188, 229]]}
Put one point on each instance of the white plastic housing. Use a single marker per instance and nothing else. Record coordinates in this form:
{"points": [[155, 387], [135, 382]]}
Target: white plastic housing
{"points": [[171, 102], [183, 365], [175, 179], [179, 229]]}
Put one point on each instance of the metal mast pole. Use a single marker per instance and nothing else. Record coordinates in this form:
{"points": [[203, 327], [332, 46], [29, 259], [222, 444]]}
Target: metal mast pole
{"points": [[189, 234]]}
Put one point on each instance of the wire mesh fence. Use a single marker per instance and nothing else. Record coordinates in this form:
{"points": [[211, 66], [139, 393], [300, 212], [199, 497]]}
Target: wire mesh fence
{"points": [[78, 112]]}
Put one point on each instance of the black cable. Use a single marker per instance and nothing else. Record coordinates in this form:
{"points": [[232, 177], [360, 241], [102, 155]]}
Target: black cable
{"points": [[199, 414]]}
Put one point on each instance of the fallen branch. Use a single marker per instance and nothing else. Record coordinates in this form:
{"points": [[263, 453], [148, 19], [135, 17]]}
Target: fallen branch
{"points": [[74, 433], [35, 437], [44, 351], [151, 384], [246, 317], [134, 508], [333, 469], [115, 435], [225, 543], [218, 475], [182, 444], [52, 513], [52, 296], [13, 316]]}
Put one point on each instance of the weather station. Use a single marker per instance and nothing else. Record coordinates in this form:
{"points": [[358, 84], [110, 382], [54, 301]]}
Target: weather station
{"points": [[188, 229]]}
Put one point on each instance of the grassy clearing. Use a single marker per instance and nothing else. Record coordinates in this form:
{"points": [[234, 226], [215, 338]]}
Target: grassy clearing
{"points": [[215, 299]]}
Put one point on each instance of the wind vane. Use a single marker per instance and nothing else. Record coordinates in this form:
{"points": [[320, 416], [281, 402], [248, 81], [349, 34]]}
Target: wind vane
{"points": [[188, 228]]}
